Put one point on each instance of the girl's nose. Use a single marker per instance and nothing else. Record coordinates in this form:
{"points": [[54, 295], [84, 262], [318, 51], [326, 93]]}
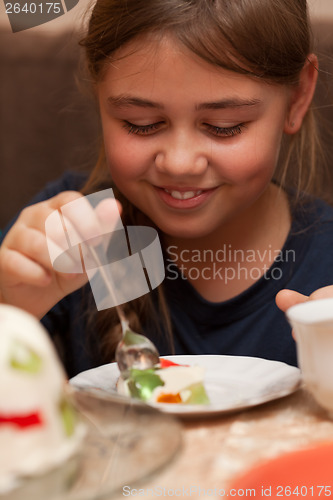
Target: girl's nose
{"points": [[181, 157]]}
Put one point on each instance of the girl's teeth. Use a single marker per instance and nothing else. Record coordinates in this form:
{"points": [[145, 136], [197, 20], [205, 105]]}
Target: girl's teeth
{"points": [[185, 195]]}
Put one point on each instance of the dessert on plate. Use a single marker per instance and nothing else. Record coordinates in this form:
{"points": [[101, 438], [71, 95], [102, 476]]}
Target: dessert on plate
{"points": [[39, 429], [167, 382]]}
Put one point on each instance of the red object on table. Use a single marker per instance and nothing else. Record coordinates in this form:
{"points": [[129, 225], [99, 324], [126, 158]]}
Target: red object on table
{"points": [[302, 474]]}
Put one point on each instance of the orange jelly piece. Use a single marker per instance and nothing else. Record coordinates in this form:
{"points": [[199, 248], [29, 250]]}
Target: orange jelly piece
{"points": [[169, 398]]}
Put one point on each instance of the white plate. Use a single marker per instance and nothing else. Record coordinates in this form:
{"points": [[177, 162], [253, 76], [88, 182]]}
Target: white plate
{"points": [[232, 383]]}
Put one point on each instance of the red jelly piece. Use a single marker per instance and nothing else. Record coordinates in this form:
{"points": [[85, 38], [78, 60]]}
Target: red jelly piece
{"points": [[22, 421], [165, 363]]}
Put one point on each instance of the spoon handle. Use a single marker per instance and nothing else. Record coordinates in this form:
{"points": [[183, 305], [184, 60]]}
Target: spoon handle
{"points": [[109, 286]]}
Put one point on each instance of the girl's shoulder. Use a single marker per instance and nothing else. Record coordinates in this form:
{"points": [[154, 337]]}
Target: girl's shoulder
{"points": [[312, 213], [69, 181], [312, 232]]}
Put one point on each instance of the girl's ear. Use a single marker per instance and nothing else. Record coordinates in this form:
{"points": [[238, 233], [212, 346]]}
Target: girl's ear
{"points": [[302, 95]]}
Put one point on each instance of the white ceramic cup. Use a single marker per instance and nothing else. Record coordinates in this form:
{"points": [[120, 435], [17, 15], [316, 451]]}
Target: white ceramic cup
{"points": [[312, 322]]}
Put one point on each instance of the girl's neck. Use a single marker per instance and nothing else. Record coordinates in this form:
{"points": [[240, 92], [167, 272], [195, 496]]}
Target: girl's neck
{"points": [[259, 232]]}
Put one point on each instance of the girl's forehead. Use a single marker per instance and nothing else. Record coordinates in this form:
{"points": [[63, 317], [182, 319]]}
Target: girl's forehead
{"points": [[154, 59], [153, 51]]}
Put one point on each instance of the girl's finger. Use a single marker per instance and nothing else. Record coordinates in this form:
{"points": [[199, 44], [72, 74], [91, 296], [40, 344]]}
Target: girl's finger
{"points": [[108, 212], [84, 224], [31, 243], [16, 268], [325, 292], [288, 298]]}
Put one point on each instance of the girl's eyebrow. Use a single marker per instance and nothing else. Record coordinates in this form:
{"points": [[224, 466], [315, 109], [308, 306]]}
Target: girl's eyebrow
{"points": [[233, 102], [125, 101]]}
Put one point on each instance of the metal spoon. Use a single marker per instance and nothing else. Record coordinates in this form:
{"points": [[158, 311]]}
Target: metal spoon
{"points": [[134, 350]]}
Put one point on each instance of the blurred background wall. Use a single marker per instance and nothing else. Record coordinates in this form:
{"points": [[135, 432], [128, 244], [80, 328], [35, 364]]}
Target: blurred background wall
{"points": [[48, 122], [321, 8]]}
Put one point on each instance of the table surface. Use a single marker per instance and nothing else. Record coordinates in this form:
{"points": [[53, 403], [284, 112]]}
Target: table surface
{"points": [[217, 450]]}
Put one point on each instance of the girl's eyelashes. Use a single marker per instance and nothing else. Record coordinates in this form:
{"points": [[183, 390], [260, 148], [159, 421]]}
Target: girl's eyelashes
{"points": [[225, 131], [212, 129], [141, 129]]}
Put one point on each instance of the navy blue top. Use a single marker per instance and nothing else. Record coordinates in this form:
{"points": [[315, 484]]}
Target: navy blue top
{"points": [[249, 324]]}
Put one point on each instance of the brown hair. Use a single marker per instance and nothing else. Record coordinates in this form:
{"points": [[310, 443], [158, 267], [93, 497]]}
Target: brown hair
{"points": [[266, 39]]}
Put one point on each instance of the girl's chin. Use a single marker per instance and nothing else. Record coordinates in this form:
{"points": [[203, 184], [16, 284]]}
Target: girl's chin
{"points": [[184, 231]]}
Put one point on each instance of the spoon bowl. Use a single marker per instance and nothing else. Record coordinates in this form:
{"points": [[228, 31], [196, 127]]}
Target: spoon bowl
{"points": [[135, 351]]}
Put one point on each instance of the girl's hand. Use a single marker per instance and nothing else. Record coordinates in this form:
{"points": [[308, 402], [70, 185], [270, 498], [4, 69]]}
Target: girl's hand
{"points": [[27, 277], [287, 298]]}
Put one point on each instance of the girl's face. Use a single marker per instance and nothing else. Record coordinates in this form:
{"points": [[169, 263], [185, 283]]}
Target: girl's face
{"points": [[191, 145]]}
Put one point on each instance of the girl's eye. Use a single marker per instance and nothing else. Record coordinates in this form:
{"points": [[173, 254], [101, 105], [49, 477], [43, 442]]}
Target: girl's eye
{"points": [[141, 129], [225, 131], [153, 127]]}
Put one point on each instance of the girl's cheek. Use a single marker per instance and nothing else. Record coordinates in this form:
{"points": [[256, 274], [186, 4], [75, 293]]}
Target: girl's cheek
{"points": [[124, 161], [244, 163], [255, 171]]}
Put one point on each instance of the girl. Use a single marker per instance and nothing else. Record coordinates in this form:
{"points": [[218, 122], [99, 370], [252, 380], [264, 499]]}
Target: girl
{"points": [[206, 116]]}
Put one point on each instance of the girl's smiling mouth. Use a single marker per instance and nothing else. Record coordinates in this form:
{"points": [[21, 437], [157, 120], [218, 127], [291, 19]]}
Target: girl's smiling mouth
{"points": [[183, 195], [184, 198]]}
